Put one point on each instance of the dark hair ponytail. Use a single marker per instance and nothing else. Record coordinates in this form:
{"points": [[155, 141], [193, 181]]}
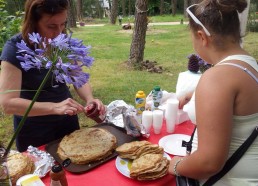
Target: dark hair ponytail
{"points": [[231, 5], [220, 17]]}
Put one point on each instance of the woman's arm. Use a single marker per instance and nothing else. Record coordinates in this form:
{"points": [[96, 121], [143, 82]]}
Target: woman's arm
{"points": [[11, 103], [214, 110]]}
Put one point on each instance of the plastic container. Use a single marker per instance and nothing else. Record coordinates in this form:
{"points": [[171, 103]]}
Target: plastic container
{"points": [[140, 101], [156, 97], [58, 177]]}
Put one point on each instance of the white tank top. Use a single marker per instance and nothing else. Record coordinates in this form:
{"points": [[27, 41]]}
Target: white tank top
{"points": [[245, 172]]}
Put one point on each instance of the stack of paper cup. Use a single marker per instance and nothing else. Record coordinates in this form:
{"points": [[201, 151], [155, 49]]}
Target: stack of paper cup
{"points": [[157, 121], [147, 120], [171, 114]]}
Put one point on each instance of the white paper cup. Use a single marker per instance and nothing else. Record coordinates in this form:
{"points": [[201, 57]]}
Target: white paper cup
{"points": [[171, 114], [147, 120], [157, 121]]}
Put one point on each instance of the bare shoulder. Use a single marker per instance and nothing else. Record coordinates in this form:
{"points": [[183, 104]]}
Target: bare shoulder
{"points": [[229, 84], [219, 77]]}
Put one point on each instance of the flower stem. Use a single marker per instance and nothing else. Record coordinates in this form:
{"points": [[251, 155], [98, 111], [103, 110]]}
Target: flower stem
{"points": [[29, 109]]}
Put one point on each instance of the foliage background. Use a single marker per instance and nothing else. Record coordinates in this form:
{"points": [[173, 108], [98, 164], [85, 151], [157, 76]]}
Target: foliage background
{"points": [[9, 24]]}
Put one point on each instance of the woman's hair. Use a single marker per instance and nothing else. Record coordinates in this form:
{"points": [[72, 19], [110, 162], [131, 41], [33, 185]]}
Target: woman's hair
{"points": [[34, 9], [220, 17]]}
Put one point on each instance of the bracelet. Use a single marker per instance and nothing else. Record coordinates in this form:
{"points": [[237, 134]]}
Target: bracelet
{"points": [[177, 162]]}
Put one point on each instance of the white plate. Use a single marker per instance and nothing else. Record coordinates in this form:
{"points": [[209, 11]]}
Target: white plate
{"points": [[124, 165], [172, 144]]}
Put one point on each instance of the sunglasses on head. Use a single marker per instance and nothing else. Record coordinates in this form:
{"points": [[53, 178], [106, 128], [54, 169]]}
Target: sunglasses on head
{"points": [[197, 20]]}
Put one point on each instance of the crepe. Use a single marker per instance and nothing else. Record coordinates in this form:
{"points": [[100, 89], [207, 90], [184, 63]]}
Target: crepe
{"points": [[19, 165], [149, 167], [136, 149], [153, 174], [131, 146], [148, 162], [87, 145], [145, 162]]}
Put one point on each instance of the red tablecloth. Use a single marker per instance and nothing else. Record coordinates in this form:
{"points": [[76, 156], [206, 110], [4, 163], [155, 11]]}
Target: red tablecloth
{"points": [[108, 175]]}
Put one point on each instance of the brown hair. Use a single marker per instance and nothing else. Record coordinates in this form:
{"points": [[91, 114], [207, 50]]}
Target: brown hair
{"points": [[34, 9], [220, 17]]}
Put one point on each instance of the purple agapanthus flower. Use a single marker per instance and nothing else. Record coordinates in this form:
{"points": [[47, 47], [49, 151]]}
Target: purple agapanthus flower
{"points": [[67, 55]]}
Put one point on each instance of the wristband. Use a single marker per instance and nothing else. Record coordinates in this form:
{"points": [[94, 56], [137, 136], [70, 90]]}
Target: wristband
{"points": [[177, 162]]}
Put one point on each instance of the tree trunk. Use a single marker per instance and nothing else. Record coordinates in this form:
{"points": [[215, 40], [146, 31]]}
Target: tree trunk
{"points": [[139, 34], [185, 6], [114, 13], [71, 20], [99, 9], [123, 8], [173, 4], [79, 10], [161, 7], [243, 17], [129, 8]]}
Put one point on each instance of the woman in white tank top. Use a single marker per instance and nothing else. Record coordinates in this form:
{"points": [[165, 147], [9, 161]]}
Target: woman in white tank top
{"points": [[225, 103]]}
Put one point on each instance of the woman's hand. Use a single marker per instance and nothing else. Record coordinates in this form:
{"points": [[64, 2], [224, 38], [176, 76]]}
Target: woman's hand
{"points": [[183, 100], [68, 106], [101, 107]]}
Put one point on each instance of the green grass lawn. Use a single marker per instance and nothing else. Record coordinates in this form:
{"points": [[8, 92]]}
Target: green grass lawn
{"points": [[152, 19], [112, 80]]}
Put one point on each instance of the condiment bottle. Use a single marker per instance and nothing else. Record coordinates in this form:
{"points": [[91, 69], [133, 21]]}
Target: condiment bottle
{"points": [[156, 96], [140, 101], [58, 177]]}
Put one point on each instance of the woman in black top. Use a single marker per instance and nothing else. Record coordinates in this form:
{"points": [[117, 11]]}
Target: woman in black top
{"points": [[54, 114]]}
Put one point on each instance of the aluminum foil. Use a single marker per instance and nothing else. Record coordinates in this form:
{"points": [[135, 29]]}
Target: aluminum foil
{"points": [[123, 115], [43, 161]]}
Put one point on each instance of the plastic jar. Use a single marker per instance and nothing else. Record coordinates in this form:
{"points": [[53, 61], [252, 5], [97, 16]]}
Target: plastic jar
{"points": [[93, 113]]}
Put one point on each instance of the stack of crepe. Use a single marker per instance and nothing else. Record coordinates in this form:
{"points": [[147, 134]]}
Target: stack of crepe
{"points": [[135, 149], [87, 145], [149, 167], [148, 160]]}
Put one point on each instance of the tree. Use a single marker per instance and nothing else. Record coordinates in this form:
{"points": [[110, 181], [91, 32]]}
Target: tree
{"points": [[185, 6], [114, 12], [123, 7], [79, 10], [243, 19], [139, 34], [161, 7], [99, 9], [71, 20], [173, 6], [129, 8]]}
